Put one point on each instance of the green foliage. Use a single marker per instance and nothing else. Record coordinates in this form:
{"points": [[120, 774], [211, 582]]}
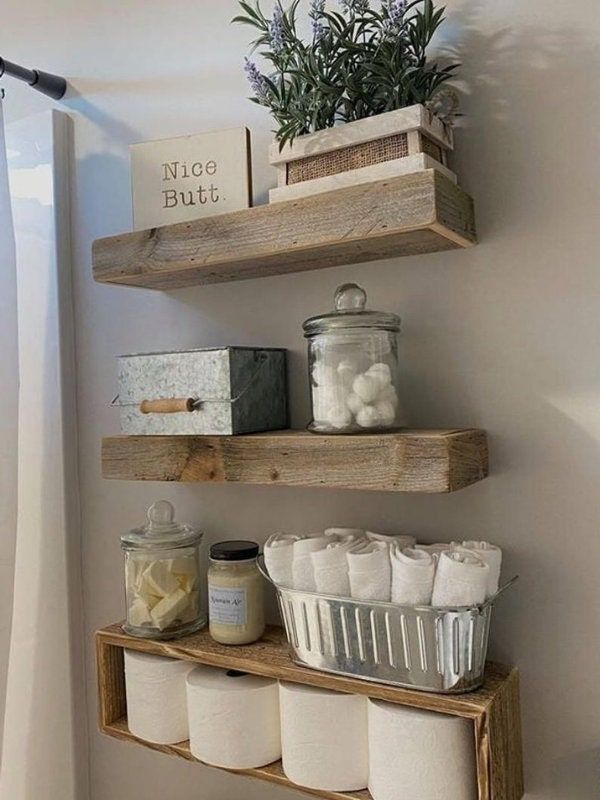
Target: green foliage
{"points": [[360, 61]]}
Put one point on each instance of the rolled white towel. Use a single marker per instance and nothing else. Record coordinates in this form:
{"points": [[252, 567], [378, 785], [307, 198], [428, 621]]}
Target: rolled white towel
{"points": [[369, 571], [303, 574], [436, 547], [413, 572], [402, 539], [345, 534], [331, 568], [460, 580], [279, 555], [492, 556]]}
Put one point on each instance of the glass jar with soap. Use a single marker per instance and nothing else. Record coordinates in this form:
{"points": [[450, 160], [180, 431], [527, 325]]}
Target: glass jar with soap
{"points": [[163, 576], [236, 604], [353, 366]]}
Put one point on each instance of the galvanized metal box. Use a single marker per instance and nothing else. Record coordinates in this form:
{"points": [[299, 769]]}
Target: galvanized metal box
{"points": [[226, 390]]}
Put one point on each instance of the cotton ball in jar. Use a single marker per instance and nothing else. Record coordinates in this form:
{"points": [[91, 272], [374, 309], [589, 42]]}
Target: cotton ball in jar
{"points": [[338, 416], [354, 403], [368, 417], [367, 387], [380, 372], [388, 393], [322, 399], [323, 374], [386, 412], [346, 371]]}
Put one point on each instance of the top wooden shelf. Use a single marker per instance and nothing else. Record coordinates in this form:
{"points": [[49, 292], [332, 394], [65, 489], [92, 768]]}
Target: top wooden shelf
{"points": [[420, 213]]}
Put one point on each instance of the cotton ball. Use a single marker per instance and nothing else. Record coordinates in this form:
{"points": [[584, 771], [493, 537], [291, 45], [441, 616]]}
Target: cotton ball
{"points": [[389, 394], [386, 411], [368, 417], [346, 371], [338, 416], [323, 374], [381, 372], [367, 387], [354, 403]]}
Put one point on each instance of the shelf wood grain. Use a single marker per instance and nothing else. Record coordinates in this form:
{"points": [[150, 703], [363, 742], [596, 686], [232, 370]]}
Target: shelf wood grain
{"points": [[424, 212], [273, 773], [406, 461], [493, 709]]}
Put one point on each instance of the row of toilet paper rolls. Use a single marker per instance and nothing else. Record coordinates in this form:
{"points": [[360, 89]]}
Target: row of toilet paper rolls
{"points": [[349, 562], [327, 740]]}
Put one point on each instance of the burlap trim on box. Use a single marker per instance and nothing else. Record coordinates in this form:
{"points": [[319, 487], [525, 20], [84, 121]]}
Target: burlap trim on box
{"points": [[431, 148], [353, 157]]}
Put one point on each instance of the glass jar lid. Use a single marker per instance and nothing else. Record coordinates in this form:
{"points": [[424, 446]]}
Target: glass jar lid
{"points": [[350, 312], [234, 550], [161, 530]]}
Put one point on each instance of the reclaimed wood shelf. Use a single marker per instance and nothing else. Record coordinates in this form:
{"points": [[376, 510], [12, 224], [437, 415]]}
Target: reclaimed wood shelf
{"points": [[412, 214], [407, 461], [493, 709]]}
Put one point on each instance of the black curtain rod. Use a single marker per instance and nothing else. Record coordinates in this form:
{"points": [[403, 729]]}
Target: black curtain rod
{"points": [[51, 85]]}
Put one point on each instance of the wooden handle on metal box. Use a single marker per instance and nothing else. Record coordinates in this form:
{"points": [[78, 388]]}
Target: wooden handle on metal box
{"points": [[169, 406]]}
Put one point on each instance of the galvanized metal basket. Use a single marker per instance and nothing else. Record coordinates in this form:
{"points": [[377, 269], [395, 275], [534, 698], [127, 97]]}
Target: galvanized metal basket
{"points": [[431, 649]]}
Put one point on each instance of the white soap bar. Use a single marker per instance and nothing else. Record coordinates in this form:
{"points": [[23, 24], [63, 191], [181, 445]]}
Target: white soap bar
{"points": [[184, 565], [139, 613], [169, 608], [158, 579]]}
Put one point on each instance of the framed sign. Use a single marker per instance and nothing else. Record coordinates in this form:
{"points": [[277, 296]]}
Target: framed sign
{"points": [[176, 180]]}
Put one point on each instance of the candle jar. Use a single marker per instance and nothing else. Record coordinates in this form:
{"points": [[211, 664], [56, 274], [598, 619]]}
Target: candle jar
{"points": [[236, 605], [162, 576], [353, 366]]}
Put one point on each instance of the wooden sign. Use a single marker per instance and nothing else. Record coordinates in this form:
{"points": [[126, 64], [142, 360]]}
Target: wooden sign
{"points": [[176, 180]]}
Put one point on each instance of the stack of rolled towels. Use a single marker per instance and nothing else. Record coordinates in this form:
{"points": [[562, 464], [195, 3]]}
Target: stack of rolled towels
{"points": [[363, 565], [326, 740]]}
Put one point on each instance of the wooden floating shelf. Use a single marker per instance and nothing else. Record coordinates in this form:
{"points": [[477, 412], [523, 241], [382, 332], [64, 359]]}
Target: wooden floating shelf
{"points": [[407, 461], [493, 709], [420, 213]]}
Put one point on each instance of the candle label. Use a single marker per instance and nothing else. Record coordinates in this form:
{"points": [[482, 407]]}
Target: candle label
{"points": [[227, 606]]}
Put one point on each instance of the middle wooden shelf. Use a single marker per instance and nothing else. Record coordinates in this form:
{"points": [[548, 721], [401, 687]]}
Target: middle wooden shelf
{"points": [[427, 461]]}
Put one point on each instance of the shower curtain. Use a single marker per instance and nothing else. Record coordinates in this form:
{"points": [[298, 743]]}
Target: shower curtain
{"points": [[44, 732], [9, 381]]}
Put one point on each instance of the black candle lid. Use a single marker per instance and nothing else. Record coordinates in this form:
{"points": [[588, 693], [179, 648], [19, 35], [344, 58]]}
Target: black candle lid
{"points": [[234, 550]]}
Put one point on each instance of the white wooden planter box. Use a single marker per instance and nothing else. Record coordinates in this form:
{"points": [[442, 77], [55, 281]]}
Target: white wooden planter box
{"points": [[396, 143]]}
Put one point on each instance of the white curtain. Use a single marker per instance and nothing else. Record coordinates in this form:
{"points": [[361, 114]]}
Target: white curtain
{"points": [[43, 748], [9, 381]]}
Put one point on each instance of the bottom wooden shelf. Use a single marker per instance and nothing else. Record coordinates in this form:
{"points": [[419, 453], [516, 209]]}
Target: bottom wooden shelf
{"points": [[272, 772], [493, 709]]}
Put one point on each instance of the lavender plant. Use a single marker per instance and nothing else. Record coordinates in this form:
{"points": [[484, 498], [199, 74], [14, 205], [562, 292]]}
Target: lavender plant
{"points": [[359, 61]]}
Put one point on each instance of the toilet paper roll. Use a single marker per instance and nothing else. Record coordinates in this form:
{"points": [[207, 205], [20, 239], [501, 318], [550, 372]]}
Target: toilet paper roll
{"points": [[324, 738], [419, 755], [156, 700], [234, 718]]}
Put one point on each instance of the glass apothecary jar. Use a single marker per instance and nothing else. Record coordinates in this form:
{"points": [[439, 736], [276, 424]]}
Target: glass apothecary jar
{"points": [[236, 604], [353, 366], [162, 576]]}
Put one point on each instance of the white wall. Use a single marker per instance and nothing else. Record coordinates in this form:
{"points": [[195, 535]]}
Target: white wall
{"points": [[503, 336]]}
